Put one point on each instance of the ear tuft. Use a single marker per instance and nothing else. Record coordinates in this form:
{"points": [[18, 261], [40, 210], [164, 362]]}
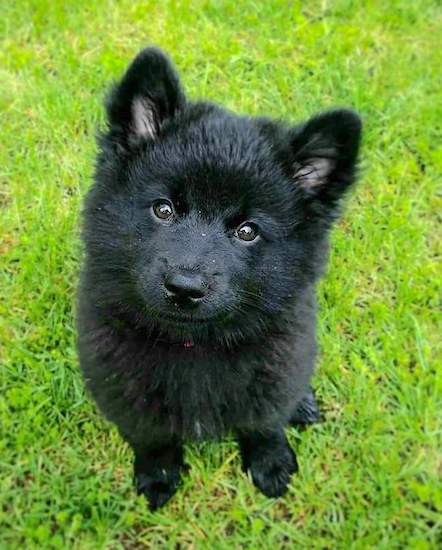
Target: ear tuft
{"points": [[314, 172], [145, 118], [148, 94]]}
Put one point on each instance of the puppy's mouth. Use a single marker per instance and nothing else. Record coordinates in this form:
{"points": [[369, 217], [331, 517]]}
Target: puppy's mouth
{"points": [[182, 320], [187, 319]]}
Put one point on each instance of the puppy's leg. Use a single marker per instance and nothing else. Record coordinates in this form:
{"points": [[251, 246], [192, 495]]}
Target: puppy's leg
{"points": [[307, 411], [269, 459], [157, 471]]}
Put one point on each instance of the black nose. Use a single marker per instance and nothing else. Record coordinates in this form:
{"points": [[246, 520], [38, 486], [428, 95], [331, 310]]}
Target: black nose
{"points": [[188, 286]]}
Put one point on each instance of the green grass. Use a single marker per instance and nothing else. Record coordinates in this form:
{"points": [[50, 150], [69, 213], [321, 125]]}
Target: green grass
{"points": [[370, 475]]}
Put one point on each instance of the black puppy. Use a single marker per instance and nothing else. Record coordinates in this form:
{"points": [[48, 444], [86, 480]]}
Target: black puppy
{"points": [[205, 234]]}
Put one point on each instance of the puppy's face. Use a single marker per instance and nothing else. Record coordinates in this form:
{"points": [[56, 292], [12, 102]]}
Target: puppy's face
{"points": [[213, 236], [204, 222]]}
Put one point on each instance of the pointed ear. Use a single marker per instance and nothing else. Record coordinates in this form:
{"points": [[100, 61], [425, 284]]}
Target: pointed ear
{"points": [[148, 94], [324, 155]]}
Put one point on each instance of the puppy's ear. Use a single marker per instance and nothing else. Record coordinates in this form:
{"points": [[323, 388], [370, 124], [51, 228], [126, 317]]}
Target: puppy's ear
{"points": [[148, 94], [324, 157]]}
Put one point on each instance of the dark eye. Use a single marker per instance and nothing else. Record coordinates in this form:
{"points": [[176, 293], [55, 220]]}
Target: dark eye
{"points": [[163, 209], [247, 232]]}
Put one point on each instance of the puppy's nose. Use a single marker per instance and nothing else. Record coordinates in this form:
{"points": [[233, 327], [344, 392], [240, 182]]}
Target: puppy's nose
{"points": [[187, 286]]}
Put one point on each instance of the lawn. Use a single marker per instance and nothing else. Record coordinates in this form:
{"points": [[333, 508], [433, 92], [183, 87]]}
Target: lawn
{"points": [[371, 473]]}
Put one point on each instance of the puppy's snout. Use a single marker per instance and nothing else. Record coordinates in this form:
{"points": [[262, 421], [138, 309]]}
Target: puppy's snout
{"points": [[186, 286]]}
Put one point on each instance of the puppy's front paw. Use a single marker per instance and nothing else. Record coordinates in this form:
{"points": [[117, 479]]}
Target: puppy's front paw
{"points": [[158, 485], [157, 472], [270, 460], [271, 473]]}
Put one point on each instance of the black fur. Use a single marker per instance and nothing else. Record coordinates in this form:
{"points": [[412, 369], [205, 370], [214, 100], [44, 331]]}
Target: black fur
{"points": [[186, 331]]}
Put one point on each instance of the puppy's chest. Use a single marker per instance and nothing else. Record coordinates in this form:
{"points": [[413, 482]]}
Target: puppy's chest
{"points": [[203, 395]]}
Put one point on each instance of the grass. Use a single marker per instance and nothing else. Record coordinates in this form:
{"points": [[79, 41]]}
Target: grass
{"points": [[370, 475]]}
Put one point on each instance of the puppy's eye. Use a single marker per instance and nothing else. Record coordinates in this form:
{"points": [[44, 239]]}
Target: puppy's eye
{"points": [[163, 209], [247, 232]]}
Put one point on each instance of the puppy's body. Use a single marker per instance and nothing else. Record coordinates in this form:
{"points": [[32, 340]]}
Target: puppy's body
{"points": [[205, 234], [202, 391]]}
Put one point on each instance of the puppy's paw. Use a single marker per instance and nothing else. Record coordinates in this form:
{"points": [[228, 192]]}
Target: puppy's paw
{"points": [[307, 411], [158, 485], [271, 472]]}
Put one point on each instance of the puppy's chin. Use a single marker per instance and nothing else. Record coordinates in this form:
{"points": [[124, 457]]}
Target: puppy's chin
{"points": [[187, 333]]}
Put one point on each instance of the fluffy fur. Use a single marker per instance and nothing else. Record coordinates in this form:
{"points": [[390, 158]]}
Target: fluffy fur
{"points": [[186, 331]]}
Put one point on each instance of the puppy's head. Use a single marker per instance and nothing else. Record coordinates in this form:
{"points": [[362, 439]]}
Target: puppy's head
{"points": [[203, 222]]}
